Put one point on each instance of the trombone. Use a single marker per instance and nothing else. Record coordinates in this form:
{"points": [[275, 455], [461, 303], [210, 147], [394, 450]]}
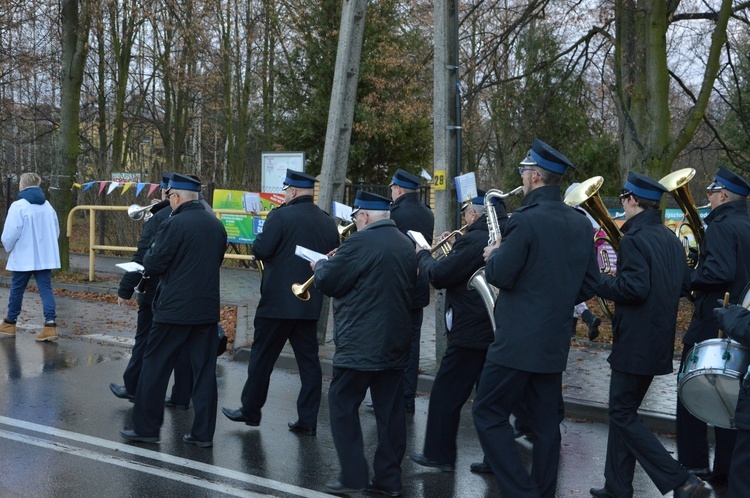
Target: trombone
{"points": [[137, 212]]}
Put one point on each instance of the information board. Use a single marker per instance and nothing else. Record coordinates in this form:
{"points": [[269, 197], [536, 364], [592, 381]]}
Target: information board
{"points": [[274, 168]]}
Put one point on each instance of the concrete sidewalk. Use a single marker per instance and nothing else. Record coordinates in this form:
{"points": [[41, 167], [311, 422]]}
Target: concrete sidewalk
{"points": [[585, 383]]}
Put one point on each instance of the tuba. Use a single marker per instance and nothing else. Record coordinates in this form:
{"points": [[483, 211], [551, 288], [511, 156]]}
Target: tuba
{"points": [[587, 196], [677, 184], [478, 281]]}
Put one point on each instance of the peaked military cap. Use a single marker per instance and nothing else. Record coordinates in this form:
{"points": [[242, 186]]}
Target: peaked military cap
{"points": [[546, 157], [370, 202], [479, 200], [405, 179], [165, 181], [643, 187], [730, 181], [298, 179], [183, 182]]}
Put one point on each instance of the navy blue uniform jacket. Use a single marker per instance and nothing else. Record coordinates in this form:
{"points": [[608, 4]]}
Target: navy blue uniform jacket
{"points": [[652, 274], [371, 279], [186, 256], [471, 322], [723, 266], [410, 213], [545, 265], [300, 222]]}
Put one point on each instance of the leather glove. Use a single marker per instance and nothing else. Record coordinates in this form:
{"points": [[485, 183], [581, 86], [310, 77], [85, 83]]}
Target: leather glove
{"points": [[719, 316], [692, 257]]}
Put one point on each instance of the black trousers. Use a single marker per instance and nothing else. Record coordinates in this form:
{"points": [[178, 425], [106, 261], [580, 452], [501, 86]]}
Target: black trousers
{"points": [[630, 440], [692, 439], [459, 370], [739, 474], [269, 339], [164, 345], [183, 374], [348, 389], [411, 374], [500, 389]]}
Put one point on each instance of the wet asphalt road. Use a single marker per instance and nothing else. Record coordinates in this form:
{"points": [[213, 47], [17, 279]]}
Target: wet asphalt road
{"points": [[59, 429]]}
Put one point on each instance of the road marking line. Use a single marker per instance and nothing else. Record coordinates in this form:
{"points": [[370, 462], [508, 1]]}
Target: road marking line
{"points": [[128, 464], [165, 458]]}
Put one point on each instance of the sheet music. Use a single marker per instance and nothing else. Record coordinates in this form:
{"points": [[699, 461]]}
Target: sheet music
{"points": [[466, 187], [342, 211], [418, 239], [130, 266], [309, 254]]}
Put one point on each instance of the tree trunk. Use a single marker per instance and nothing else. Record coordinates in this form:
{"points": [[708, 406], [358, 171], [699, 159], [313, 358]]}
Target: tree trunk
{"points": [[75, 29]]}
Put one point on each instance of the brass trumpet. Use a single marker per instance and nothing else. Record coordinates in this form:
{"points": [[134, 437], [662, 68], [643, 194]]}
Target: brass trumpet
{"points": [[136, 212], [346, 230], [301, 291], [445, 246]]}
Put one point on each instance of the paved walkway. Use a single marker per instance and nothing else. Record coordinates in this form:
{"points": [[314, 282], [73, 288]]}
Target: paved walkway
{"points": [[585, 383]]}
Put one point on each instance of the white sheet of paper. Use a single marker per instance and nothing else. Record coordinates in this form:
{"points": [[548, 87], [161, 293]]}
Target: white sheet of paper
{"points": [[251, 202], [308, 254], [342, 211], [466, 187], [419, 239], [130, 266]]}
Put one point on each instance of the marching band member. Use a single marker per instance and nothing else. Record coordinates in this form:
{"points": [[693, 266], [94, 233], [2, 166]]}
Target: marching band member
{"points": [[183, 376], [469, 335], [652, 274], [543, 265], [281, 316], [409, 213], [371, 279], [186, 256], [723, 266], [735, 322]]}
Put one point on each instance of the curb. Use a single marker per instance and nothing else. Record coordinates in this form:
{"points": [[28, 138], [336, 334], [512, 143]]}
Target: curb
{"points": [[574, 407]]}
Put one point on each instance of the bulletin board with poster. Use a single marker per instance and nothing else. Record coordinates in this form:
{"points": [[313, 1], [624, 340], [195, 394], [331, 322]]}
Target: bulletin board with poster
{"points": [[243, 228], [274, 166]]}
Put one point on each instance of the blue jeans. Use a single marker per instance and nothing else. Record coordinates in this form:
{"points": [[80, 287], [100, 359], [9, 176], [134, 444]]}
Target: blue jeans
{"points": [[18, 287]]}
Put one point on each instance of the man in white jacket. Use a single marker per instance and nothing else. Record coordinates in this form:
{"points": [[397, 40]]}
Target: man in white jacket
{"points": [[30, 237]]}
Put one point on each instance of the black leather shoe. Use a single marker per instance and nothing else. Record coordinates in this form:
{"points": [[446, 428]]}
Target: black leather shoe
{"points": [[131, 435], [594, 328], [480, 468], [692, 488], [425, 462], [121, 392], [375, 490], [701, 473], [301, 429], [601, 493], [522, 433], [337, 488], [170, 404], [238, 416], [189, 439]]}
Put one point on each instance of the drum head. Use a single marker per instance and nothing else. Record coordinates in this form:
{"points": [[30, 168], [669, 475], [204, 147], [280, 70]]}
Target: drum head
{"points": [[711, 396], [746, 297]]}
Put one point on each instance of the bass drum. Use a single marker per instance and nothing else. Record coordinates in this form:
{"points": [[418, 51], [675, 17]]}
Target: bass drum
{"points": [[709, 383]]}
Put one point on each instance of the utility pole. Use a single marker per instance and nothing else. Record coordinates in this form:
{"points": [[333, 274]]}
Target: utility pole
{"points": [[447, 136], [340, 117]]}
